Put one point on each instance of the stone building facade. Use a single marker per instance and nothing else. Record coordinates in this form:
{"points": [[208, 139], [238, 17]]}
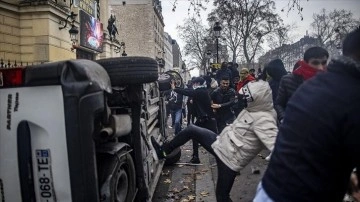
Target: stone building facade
{"points": [[141, 26], [289, 53], [168, 55], [30, 30]]}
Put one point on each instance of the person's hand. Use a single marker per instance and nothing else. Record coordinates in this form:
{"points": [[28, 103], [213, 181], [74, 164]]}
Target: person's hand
{"points": [[355, 190], [191, 101], [356, 195], [216, 106]]}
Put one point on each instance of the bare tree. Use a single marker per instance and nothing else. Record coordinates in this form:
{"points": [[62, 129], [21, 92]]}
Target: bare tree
{"points": [[329, 27], [282, 35], [193, 33], [198, 5], [249, 20]]}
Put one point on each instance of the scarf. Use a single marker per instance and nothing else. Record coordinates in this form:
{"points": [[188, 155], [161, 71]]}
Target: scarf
{"points": [[305, 70], [244, 82]]}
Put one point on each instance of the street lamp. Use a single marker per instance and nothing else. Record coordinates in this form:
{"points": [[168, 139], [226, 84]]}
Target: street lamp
{"points": [[73, 33], [217, 28]]}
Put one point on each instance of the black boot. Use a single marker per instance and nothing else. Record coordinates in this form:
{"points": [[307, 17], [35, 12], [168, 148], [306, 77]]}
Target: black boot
{"points": [[195, 160], [158, 151]]}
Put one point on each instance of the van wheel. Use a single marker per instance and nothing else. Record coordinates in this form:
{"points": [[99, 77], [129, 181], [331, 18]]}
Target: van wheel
{"points": [[130, 70], [173, 157], [117, 177]]}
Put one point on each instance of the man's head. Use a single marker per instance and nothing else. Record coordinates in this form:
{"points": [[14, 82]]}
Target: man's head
{"points": [[244, 72], [351, 44], [224, 83], [252, 71], [316, 57], [198, 81]]}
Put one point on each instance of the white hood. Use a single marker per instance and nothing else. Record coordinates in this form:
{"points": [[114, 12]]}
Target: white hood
{"points": [[258, 95]]}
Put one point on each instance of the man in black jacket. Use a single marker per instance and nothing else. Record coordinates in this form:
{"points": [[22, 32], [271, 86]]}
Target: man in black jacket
{"points": [[222, 101], [203, 112], [318, 144]]}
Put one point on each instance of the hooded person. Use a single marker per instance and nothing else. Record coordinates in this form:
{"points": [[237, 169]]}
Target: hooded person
{"points": [[239, 142], [273, 72]]}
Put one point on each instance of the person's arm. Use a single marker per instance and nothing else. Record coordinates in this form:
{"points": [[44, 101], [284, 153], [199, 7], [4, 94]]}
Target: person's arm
{"points": [[281, 100], [213, 96], [185, 91], [266, 130]]}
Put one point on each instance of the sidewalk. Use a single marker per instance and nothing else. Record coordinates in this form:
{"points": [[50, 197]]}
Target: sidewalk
{"points": [[245, 184]]}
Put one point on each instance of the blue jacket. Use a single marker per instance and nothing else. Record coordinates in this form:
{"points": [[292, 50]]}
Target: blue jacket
{"points": [[318, 144]]}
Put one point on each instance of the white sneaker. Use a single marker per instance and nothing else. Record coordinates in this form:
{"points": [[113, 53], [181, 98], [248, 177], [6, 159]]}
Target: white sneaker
{"points": [[268, 157]]}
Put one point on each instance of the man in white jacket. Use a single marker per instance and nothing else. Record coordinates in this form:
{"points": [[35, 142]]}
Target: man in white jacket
{"points": [[239, 142]]}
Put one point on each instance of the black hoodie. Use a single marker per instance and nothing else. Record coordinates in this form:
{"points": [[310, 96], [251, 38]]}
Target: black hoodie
{"points": [[276, 70]]}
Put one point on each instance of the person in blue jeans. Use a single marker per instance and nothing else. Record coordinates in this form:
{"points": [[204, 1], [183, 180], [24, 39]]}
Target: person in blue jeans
{"points": [[175, 106]]}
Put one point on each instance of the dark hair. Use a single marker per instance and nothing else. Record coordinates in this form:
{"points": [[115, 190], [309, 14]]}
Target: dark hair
{"points": [[198, 79], [351, 43], [223, 64], [296, 65], [225, 78], [315, 52]]}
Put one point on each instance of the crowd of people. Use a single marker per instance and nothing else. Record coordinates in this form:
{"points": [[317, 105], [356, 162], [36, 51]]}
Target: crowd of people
{"points": [[308, 119]]}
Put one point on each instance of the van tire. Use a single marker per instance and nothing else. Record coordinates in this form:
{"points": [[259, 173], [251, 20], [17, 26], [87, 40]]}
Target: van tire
{"points": [[120, 170], [130, 70]]}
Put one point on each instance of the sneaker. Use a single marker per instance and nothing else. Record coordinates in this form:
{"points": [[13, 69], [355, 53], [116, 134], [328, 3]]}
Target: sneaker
{"points": [[158, 153], [170, 127], [268, 157], [195, 160]]}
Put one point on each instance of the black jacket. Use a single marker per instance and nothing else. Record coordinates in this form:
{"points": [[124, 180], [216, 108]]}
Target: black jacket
{"points": [[276, 70], [175, 100], [288, 85], [226, 99], [201, 101], [318, 144]]}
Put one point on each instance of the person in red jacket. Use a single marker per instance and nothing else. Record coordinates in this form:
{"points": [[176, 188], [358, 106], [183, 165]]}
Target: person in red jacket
{"points": [[245, 77]]}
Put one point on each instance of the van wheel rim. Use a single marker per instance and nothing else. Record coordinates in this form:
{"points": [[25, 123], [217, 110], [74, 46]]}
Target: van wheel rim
{"points": [[122, 185]]}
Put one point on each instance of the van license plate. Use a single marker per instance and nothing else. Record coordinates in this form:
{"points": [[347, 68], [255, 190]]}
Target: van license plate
{"points": [[45, 180]]}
